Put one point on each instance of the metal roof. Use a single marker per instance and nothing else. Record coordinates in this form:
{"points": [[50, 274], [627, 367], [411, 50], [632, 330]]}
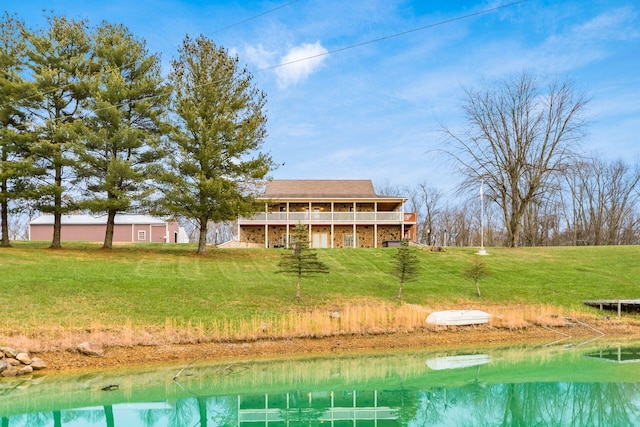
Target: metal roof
{"points": [[47, 219]]}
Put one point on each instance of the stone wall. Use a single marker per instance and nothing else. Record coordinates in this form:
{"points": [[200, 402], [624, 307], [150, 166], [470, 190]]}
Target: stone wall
{"points": [[252, 234], [339, 232], [278, 236], [389, 232], [365, 236]]}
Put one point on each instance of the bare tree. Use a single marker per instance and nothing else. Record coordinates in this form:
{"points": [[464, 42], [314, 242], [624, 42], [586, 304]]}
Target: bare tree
{"points": [[425, 202], [388, 189], [476, 271], [431, 199], [540, 221], [452, 226], [519, 135], [603, 196]]}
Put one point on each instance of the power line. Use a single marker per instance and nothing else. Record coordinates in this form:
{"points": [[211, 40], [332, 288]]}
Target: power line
{"points": [[391, 36], [356, 45], [254, 17], [251, 18]]}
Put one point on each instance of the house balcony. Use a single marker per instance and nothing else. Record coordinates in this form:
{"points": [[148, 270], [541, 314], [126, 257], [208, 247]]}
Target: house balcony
{"points": [[313, 217]]}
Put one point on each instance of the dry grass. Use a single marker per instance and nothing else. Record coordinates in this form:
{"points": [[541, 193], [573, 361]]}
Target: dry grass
{"points": [[350, 319]]}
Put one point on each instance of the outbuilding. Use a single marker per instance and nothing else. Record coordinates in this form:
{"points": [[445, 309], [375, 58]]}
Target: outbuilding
{"points": [[128, 228]]}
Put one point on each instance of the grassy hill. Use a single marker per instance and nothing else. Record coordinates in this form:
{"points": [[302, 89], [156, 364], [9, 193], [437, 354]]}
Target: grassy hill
{"points": [[156, 284]]}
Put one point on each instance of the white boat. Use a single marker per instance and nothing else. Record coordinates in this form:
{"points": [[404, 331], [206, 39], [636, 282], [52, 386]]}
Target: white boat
{"points": [[455, 362], [458, 317]]}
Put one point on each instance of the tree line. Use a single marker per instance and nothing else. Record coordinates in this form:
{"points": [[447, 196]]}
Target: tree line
{"points": [[595, 202], [89, 123], [522, 145]]}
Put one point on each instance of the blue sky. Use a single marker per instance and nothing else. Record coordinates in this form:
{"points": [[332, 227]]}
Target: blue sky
{"points": [[367, 109]]}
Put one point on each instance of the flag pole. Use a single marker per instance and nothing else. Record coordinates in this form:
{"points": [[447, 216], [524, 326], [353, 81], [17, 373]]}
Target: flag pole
{"points": [[482, 251]]}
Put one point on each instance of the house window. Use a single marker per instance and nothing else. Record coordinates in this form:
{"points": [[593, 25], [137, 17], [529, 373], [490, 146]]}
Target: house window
{"points": [[348, 241], [142, 235]]}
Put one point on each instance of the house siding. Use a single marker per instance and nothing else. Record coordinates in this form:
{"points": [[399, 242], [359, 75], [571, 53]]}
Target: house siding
{"points": [[89, 233]]}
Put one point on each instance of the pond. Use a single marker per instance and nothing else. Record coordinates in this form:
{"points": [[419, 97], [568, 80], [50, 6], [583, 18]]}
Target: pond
{"points": [[580, 384]]}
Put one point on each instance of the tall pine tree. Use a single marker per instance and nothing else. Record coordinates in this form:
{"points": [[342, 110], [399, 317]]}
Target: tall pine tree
{"points": [[60, 65], [14, 94], [121, 136], [215, 163]]}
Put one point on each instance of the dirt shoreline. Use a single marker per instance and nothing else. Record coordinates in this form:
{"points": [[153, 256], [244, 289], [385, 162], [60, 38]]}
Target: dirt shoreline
{"points": [[444, 338]]}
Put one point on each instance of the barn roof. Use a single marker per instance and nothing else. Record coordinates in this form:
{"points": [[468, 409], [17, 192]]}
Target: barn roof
{"points": [[126, 219]]}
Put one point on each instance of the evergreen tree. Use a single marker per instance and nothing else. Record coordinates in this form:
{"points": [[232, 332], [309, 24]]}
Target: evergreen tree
{"points": [[301, 260], [14, 94], [214, 163], [405, 265], [59, 60], [121, 137]]}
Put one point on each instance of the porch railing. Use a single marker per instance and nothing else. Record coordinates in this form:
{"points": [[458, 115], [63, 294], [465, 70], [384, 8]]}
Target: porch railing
{"points": [[324, 217]]}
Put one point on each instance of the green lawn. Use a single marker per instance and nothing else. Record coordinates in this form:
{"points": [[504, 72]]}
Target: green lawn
{"points": [[148, 284]]}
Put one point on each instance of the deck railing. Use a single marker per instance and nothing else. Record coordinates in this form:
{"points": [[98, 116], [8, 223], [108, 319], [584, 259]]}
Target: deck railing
{"points": [[324, 217]]}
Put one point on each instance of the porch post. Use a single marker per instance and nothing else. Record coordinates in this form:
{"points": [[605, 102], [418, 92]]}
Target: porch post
{"points": [[309, 221], [266, 225], [333, 234], [354, 243], [375, 224], [375, 234], [402, 219], [286, 243]]}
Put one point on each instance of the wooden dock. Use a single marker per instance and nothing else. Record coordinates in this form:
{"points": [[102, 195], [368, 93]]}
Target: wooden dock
{"points": [[613, 304]]}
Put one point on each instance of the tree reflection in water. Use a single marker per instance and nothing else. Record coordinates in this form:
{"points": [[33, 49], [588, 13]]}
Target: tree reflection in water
{"points": [[550, 390]]}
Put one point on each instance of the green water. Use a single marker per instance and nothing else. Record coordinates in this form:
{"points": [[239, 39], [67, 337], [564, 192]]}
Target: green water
{"points": [[564, 384]]}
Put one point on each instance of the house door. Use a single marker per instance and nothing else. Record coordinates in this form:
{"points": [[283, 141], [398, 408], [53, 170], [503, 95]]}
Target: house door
{"points": [[320, 240], [348, 241]]}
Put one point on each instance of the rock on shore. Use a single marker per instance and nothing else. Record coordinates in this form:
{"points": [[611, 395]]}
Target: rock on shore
{"points": [[15, 363]]}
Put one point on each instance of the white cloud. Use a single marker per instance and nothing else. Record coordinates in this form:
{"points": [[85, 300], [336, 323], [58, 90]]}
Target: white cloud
{"points": [[617, 24], [300, 63], [258, 55]]}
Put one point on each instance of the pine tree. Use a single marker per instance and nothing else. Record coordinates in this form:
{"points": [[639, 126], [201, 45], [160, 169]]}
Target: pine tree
{"points": [[14, 95], [215, 164], [301, 260], [60, 63], [405, 265], [121, 137]]}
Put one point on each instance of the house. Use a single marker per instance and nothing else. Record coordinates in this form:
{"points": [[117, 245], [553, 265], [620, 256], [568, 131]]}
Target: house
{"points": [[128, 228], [339, 213]]}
